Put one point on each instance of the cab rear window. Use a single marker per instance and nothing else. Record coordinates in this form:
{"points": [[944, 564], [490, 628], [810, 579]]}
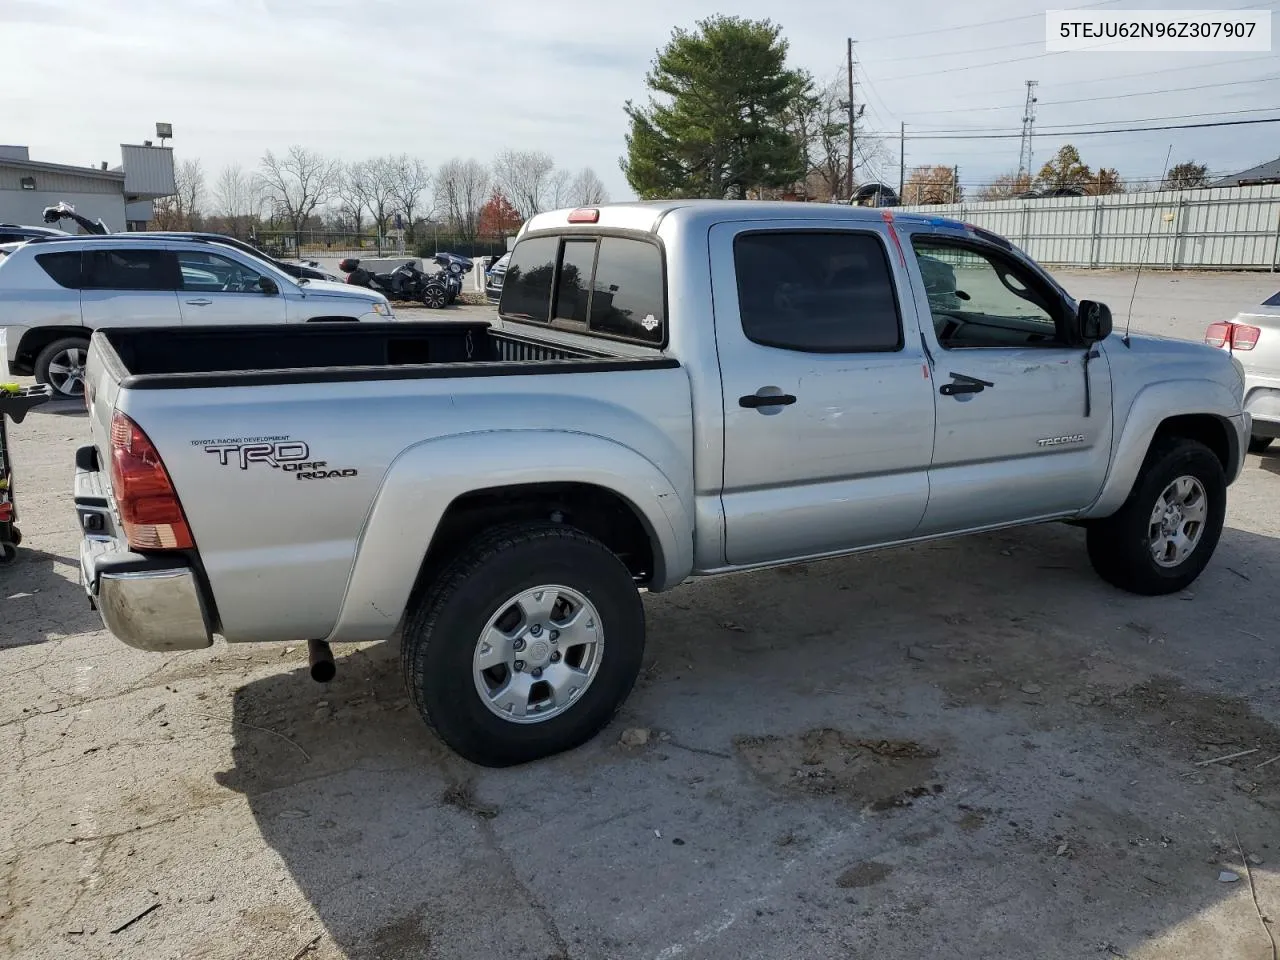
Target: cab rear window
{"points": [[605, 286]]}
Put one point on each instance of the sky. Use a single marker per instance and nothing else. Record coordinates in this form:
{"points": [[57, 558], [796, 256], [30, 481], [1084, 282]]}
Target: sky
{"points": [[360, 79]]}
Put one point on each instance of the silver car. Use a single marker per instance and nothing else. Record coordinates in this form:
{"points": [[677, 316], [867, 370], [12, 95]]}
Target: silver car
{"points": [[1253, 338], [55, 292]]}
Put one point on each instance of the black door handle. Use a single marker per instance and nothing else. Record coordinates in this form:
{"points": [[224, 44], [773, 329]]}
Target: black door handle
{"points": [[963, 383], [754, 400]]}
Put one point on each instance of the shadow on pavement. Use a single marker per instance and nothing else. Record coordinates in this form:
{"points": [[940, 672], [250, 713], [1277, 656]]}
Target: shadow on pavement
{"points": [[1054, 725], [41, 598]]}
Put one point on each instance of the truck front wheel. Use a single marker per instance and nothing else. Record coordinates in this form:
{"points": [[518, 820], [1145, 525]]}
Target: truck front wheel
{"points": [[526, 645], [1163, 536]]}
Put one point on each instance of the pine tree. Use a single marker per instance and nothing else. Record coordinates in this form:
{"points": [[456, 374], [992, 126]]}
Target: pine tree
{"points": [[723, 125]]}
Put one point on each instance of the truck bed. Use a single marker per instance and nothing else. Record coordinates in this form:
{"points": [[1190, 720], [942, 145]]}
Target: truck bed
{"points": [[225, 356]]}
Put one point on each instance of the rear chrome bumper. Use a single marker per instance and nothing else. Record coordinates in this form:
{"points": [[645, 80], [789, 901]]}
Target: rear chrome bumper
{"points": [[147, 602]]}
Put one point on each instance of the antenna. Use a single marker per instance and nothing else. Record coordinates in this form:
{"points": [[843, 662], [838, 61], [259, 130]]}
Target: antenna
{"points": [[1142, 257], [1028, 127]]}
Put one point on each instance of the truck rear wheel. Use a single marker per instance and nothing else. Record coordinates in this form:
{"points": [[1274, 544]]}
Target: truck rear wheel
{"points": [[526, 645], [1164, 535]]}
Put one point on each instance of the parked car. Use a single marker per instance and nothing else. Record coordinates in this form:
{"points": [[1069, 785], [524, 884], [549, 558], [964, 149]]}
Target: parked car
{"points": [[1253, 338], [298, 269], [57, 291], [16, 233], [670, 389], [494, 277]]}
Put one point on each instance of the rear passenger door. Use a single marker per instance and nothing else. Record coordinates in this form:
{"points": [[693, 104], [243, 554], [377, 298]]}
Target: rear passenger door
{"points": [[828, 406], [129, 286], [218, 289]]}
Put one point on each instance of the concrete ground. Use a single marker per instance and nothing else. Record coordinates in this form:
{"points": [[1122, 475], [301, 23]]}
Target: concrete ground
{"points": [[970, 749]]}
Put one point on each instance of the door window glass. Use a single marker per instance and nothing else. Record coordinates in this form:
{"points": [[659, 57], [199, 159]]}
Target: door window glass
{"points": [[212, 273], [981, 300], [130, 269], [817, 291]]}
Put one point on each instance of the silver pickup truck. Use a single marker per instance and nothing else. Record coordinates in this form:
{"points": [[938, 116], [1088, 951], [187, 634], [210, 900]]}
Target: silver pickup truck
{"points": [[670, 390]]}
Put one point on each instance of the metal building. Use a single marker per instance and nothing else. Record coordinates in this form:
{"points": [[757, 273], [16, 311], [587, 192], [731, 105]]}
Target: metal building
{"points": [[121, 196]]}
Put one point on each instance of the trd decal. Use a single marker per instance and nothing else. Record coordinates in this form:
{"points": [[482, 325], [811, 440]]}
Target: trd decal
{"points": [[276, 454], [288, 456]]}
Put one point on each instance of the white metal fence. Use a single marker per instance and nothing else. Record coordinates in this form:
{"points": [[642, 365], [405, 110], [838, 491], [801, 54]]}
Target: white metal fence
{"points": [[1223, 228]]}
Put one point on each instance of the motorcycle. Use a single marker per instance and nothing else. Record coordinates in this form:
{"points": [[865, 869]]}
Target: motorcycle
{"points": [[405, 282], [453, 267]]}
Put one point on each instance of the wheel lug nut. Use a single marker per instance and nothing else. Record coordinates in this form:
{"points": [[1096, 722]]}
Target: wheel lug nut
{"points": [[555, 635], [519, 665], [555, 656], [536, 671], [536, 629], [519, 644]]}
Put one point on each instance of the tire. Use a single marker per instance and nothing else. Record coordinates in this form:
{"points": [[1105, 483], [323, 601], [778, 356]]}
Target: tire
{"points": [[1259, 444], [442, 638], [61, 365], [435, 296], [1122, 547]]}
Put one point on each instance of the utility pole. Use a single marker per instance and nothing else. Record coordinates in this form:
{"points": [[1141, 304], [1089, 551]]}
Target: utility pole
{"points": [[848, 174], [902, 160], [1028, 128], [955, 184]]}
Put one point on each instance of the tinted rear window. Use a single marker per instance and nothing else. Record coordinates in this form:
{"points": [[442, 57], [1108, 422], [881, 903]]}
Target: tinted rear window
{"points": [[526, 288], [573, 288], [130, 270], [612, 286], [1272, 301], [63, 267], [627, 298]]}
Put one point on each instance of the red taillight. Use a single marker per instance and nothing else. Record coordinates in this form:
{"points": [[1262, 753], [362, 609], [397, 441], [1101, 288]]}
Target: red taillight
{"points": [[1241, 336], [585, 215], [1244, 337], [1217, 334], [149, 509]]}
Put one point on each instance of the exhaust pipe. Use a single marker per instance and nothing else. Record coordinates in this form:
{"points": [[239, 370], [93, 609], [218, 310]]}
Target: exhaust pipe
{"points": [[321, 659]]}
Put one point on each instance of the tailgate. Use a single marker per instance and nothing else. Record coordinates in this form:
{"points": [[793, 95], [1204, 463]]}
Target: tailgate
{"points": [[101, 389]]}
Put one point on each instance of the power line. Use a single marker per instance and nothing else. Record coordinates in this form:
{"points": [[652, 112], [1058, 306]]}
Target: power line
{"points": [[1110, 96], [1003, 46], [1067, 126], [985, 23], [1088, 133], [1037, 56]]}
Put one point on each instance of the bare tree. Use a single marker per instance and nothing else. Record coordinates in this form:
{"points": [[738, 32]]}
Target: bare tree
{"points": [[558, 189], [233, 195], [524, 176], [372, 183], [462, 187], [409, 181], [474, 182], [348, 192], [587, 189], [297, 183], [189, 180]]}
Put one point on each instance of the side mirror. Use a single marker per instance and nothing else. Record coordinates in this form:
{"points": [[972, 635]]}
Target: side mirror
{"points": [[1093, 321], [268, 286]]}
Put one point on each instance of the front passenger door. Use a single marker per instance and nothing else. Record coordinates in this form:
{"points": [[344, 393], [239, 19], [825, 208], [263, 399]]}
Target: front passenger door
{"points": [[1023, 419], [217, 289]]}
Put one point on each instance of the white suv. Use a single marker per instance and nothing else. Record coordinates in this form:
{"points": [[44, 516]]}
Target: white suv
{"points": [[54, 293]]}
